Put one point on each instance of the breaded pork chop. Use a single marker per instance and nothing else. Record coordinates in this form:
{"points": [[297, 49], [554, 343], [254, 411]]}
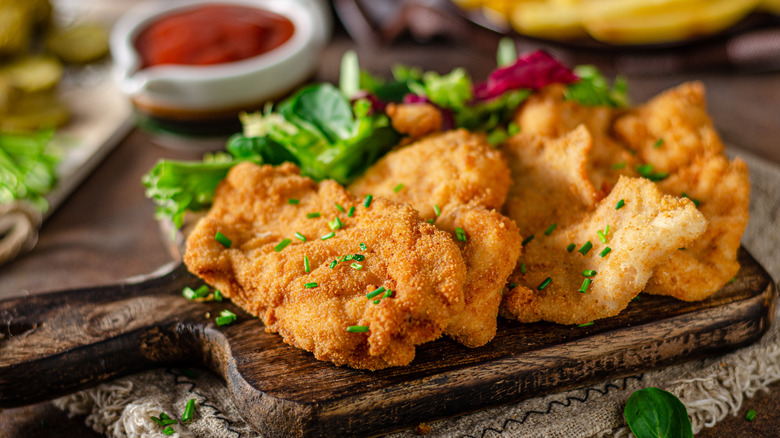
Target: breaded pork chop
{"points": [[456, 179], [640, 226], [311, 291]]}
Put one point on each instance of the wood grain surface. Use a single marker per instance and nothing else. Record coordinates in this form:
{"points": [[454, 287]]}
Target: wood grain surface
{"points": [[52, 344], [106, 231]]}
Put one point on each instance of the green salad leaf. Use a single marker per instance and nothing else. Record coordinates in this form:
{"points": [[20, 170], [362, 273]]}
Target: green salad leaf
{"points": [[337, 133], [655, 413], [593, 89], [28, 168]]}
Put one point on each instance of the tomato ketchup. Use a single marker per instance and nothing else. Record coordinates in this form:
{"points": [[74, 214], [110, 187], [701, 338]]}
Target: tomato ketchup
{"points": [[212, 34]]}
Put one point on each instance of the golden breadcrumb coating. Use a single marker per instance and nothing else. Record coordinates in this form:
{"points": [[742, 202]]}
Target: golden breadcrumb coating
{"points": [[418, 262], [452, 168], [722, 190], [642, 234], [551, 183], [462, 175], [490, 252], [415, 119], [671, 130], [547, 113]]}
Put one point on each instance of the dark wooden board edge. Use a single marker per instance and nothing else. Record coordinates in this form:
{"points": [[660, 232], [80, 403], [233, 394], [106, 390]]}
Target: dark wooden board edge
{"points": [[117, 330], [451, 391]]}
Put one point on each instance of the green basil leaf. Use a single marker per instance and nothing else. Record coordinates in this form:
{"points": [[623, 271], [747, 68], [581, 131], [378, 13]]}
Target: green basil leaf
{"points": [[655, 413]]}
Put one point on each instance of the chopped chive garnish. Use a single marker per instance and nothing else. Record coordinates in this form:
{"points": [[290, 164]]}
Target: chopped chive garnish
{"points": [[545, 283], [357, 329], [586, 324], [528, 239], [227, 312], [188, 410], [351, 211], [523, 268], [203, 291], [571, 247], [358, 257], [340, 208], [225, 320], [620, 204], [377, 301], [682, 248], [733, 279], [363, 246], [217, 295], [335, 224], [460, 234], [333, 264], [313, 215], [550, 229], [375, 292], [751, 414], [300, 236], [618, 166], [157, 420], [168, 430], [658, 143], [399, 187], [585, 283], [188, 293], [606, 230], [430, 221], [388, 293], [357, 266], [605, 251], [347, 257], [588, 273], [306, 266], [636, 298], [436, 210], [328, 236], [221, 238], [602, 237], [512, 285], [282, 245], [293, 201], [367, 201], [585, 248], [311, 285], [695, 201], [646, 171]]}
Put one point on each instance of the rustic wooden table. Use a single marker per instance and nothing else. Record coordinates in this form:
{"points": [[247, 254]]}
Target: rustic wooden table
{"points": [[106, 230]]}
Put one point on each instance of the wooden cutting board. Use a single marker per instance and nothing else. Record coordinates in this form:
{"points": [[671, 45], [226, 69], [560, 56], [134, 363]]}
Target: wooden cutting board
{"points": [[56, 343]]}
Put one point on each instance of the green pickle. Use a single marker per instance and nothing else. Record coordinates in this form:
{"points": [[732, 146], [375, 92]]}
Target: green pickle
{"points": [[34, 111], [79, 44], [33, 73]]}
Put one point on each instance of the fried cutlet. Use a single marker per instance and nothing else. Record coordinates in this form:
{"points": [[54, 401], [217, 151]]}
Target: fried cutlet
{"points": [[311, 290]]}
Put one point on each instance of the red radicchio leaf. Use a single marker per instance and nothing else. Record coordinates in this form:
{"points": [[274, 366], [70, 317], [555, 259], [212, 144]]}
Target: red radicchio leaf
{"points": [[532, 71]]}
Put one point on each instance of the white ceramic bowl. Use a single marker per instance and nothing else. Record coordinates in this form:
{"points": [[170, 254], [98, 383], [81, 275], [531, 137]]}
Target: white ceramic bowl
{"points": [[180, 91]]}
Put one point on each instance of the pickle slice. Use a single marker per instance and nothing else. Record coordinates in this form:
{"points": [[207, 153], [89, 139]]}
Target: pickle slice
{"points": [[33, 73], [79, 44], [34, 111]]}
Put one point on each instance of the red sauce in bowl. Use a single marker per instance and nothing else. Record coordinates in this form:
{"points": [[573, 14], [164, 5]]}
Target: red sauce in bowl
{"points": [[212, 34]]}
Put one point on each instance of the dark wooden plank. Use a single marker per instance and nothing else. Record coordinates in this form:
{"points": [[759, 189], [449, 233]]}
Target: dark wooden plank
{"points": [[51, 344]]}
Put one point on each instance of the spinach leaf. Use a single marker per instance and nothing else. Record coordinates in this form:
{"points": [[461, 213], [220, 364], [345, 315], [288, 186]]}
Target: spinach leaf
{"points": [[655, 413], [320, 107]]}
